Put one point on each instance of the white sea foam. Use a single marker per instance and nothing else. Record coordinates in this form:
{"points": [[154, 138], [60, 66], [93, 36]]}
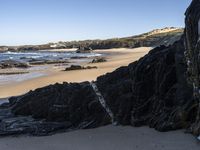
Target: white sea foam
{"points": [[4, 79], [26, 56], [36, 71]]}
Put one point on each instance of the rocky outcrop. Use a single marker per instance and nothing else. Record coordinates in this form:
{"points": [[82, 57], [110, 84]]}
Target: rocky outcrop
{"points": [[53, 108], [44, 62], [99, 60], [12, 64], [84, 49], [153, 91], [192, 42], [78, 67]]}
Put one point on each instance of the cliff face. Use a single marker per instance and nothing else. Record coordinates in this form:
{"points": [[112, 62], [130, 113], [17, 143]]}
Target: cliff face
{"points": [[153, 91], [192, 54]]}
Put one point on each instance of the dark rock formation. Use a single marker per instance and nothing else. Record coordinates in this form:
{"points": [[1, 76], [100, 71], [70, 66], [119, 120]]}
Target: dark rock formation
{"points": [[99, 60], [192, 42], [78, 67], [43, 62], [152, 91], [13, 72], [84, 49], [78, 57], [12, 64], [53, 108]]}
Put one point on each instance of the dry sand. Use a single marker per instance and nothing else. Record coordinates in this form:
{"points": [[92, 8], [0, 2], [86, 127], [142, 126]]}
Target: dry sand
{"points": [[115, 57], [105, 138]]}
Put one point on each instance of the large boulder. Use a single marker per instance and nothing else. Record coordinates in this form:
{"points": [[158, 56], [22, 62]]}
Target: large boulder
{"points": [[76, 103], [192, 45], [152, 91], [66, 106], [13, 64]]}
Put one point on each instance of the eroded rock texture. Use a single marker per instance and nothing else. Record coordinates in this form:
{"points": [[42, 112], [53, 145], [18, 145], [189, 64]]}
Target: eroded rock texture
{"points": [[153, 91], [53, 108], [192, 41]]}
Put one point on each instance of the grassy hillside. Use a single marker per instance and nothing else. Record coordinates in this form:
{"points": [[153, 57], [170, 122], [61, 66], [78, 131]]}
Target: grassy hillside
{"points": [[166, 36]]}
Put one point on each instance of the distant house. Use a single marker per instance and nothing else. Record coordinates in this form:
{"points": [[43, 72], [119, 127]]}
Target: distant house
{"points": [[58, 45]]}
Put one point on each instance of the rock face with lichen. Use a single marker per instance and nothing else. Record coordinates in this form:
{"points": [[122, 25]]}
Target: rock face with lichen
{"points": [[160, 90]]}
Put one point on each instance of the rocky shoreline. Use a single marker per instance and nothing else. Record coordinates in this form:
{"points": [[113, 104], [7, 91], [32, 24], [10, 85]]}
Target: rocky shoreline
{"points": [[152, 91], [134, 97]]}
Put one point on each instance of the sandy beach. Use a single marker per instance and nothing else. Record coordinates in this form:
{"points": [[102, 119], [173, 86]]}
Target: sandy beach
{"points": [[115, 59], [106, 138]]}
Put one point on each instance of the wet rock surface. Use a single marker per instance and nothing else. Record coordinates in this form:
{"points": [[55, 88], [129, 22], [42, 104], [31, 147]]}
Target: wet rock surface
{"points": [[12, 64], [99, 60], [78, 67], [84, 49], [44, 62]]}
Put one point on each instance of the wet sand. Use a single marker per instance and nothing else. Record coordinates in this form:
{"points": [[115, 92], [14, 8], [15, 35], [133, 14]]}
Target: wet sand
{"points": [[105, 138]]}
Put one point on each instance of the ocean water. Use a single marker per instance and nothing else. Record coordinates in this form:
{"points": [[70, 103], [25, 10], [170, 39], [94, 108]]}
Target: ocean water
{"points": [[36, 71], [5, 79], [42, 55]]}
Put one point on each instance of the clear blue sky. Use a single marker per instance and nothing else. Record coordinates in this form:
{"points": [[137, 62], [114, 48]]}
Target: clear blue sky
{"points": [[42, 21]]}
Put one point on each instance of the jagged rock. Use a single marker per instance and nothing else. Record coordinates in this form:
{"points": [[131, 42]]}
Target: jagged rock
{"points": [[28, 125], [12, 64], [192, 42], [78, 67], [43, 62], [152, 91], [68, 106], [84, 49], [98, 60]]}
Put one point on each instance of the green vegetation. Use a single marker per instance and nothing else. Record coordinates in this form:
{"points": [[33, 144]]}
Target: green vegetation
{"points": [[166, 36]]}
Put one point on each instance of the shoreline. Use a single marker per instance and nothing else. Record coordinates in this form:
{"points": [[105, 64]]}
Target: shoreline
{"points": [[120, 138], [115, 59]]}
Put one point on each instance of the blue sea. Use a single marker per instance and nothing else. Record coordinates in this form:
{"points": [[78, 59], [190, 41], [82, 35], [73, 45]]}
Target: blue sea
{"points": [[42, 55], [37, 71]]}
